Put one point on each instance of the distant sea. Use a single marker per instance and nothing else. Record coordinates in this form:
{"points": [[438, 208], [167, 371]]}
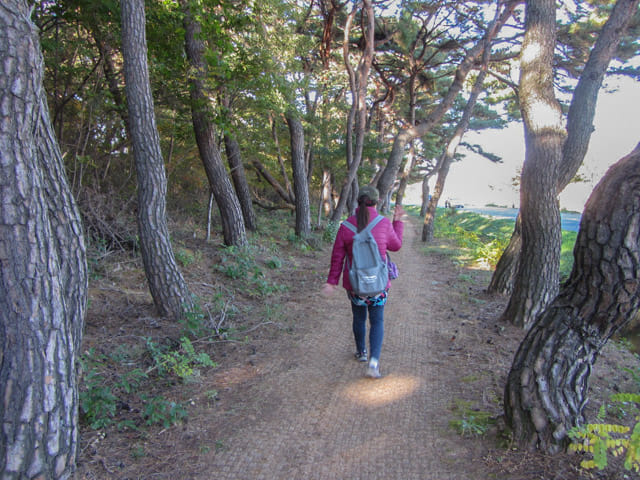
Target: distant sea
{"points": [[570, 221]]}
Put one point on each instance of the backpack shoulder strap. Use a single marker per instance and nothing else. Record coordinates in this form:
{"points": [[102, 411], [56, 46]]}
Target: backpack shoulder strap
{"points": [[372, 224], [350, 226]]}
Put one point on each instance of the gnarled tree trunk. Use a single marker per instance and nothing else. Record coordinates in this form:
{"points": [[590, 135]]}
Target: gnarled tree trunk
{"points": [[547, 386], [240, 183], [43, 286], [504, 275]]}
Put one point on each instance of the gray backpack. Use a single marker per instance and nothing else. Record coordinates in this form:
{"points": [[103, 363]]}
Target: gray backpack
{"points": [[368, 272]]}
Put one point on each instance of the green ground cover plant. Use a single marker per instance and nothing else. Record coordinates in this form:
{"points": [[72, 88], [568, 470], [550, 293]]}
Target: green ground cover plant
{"points": [[483, 239]]}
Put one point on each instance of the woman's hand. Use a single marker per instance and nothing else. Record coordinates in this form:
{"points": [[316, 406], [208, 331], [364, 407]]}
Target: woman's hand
{"points": [[399, 213], [328, 289]]}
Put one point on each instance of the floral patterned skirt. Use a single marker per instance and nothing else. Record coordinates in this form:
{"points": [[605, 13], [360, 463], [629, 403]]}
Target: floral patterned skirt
{"points": [[375, 300]]}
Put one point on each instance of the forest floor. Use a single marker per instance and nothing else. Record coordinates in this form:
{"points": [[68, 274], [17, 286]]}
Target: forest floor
{"points": [[287, 400]]}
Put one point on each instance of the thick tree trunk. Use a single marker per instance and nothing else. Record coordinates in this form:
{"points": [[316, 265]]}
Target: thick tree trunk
{"points": [[43, 287], [168, 288], [240, 183], [536, 283], [233, 229], [547, 386], [300, 187], [579, 126]]}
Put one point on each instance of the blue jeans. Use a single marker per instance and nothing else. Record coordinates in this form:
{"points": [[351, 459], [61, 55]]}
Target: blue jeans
{"points": [[376, 330]]}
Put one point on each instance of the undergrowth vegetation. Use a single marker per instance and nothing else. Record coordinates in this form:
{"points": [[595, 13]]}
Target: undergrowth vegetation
{"points": [[615, 432], [139, 384], [608, 436], [482, 239]]}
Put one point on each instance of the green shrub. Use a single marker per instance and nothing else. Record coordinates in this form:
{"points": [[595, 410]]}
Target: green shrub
{"points": [[181, 361], [160, 411], [602, 439], [485, 239]]}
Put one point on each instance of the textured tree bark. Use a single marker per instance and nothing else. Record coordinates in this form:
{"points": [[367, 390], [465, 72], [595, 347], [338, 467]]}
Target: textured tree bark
{"points": [[536, 283], [43, 287], [547, 386], [579, 127], [168, 288], [300, 187], [240, 183], [425, 196], [233, 229]]}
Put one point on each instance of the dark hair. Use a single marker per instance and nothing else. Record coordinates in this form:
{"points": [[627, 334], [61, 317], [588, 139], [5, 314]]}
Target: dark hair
{"points": [[363, 212]]}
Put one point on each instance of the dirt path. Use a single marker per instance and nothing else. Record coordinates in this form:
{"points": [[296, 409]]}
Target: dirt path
{"points": [[289, 401], [311, 414]]}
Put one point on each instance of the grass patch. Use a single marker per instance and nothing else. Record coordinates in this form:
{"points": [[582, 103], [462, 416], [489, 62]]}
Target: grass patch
{"points": [[480, 239], [469, 421]]}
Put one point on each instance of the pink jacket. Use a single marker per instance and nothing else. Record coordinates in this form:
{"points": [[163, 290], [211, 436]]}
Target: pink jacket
{"points": [[388, 236]]}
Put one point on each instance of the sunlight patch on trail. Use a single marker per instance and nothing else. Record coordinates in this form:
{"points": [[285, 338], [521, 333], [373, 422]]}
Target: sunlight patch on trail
{"points": [[383, 391]]}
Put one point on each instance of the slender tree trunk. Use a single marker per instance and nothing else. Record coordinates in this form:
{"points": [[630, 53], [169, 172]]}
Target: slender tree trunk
{"points": [[300, 187], [262, 170], [324, 204], [240, 183], [425, 196], [43, 287], [406, 135], [233, 229], [358, 81], [579, 127], [411, 161], [583, 104], [283, 168], [450, 151], [547, 386], [168, 288]]}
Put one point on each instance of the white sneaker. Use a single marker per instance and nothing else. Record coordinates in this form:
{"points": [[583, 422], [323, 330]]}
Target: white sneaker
{"points": [[373, 371]]}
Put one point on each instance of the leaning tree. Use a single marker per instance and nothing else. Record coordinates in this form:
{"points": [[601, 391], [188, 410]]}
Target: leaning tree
{"points": [[43, 287], [546, 389], [166, 283]]}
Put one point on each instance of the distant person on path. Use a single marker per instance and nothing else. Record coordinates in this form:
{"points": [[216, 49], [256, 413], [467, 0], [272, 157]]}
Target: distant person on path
{"points": [[388, 236]]}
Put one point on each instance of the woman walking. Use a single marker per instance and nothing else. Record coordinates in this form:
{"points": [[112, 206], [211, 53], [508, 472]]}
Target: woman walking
{"points": [[388, 236]]}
